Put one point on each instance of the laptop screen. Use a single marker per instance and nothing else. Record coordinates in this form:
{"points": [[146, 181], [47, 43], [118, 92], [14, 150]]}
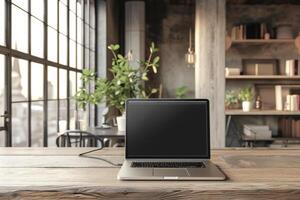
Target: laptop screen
{"points": [[166, 128]]}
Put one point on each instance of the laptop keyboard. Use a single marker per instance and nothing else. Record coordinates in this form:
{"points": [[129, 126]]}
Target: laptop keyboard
{"points": [[168, 164]]}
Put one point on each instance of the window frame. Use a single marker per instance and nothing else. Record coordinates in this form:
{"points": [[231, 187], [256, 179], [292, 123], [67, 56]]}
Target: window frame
{"points": [[9, 52]]}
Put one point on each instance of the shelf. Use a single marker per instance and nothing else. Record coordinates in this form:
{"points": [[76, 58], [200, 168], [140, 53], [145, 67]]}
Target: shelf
{"points": [[264, 77], [261, 112], [261, 41]]}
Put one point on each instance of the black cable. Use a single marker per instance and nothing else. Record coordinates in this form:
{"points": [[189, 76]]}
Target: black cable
{"points": [[99, 158]]}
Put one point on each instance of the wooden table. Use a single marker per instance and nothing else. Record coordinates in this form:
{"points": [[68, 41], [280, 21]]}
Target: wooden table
{"points": [[111, 133], [48, 173]]}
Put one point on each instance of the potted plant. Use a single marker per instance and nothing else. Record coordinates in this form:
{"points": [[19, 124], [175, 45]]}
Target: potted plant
{"points": [[246, 96], [231, 99], [181, 92], [127, 82]]}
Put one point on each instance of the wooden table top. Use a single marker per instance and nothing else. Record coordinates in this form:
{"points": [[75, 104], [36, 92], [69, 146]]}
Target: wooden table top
{"points": [[51, 173]]}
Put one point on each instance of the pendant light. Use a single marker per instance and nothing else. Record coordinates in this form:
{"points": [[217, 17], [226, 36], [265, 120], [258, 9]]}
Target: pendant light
{"points": [[190, 55]]}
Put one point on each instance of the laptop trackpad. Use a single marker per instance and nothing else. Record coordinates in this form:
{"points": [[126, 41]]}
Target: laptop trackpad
{"points": [[170, 172]]}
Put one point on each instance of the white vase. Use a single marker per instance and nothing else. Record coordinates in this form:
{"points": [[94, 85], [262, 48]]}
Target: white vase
{"points": [[246, 106], [121, 121]]}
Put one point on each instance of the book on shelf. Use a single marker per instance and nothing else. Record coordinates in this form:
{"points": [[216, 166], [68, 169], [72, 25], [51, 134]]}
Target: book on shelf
{"points": [[257, 131], [286, 99], [249, 31], [292, 68], [289, 127]]}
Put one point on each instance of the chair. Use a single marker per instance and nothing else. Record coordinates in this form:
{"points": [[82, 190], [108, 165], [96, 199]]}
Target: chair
{"points": [[78, 138]]}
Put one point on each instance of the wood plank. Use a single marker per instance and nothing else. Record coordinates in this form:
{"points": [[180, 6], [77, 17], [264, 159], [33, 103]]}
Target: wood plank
{"points": [[260, 112], [261, 41], [39, 173], [264, 77]]}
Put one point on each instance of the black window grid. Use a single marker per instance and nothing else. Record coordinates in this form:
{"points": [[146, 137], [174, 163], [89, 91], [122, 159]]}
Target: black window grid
{"points": [[10, 53]]}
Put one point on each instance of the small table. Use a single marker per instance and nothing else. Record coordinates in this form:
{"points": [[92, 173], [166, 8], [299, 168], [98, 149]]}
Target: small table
{"points": [[109, 133], [112, 134]]}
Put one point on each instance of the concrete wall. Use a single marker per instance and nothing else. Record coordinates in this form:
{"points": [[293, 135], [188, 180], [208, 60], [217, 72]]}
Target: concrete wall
{"points": [[167, 24]]}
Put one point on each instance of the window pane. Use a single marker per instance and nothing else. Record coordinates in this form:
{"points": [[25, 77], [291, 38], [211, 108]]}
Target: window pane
{"points": [[79, 30], [52, 44], [21, 3], [52, 123], [2, 92], [72, 54], [87, 36], [72, 26], [37, 9], [92, 60], [86, 11], [62, 18], [2, 22], [19, 124], [65, 2], [37, 37], [62, 49], [72, 83], [79, 56], [37, 130], [52, 13], [52, 82], [19, 79], [79, 81], [79, 8], [62, 115], [72, 114], [62, 83], [92, 14], [86, 58], [37, 81], [92, 39], [72, 5], [19, 25]]}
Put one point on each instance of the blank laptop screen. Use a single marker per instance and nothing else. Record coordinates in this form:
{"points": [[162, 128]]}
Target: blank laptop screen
{"points": [[167, 129]]}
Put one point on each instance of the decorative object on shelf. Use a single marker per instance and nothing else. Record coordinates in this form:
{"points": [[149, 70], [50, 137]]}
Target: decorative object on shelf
{"points": [[257, 131], [231, 99], [228, 42], [190, 55], [260, 66], [284, 31], [246, 96], [181, 92], [230, 71], [249, 31], [267, 36], [127, 82], [297, 42], [258, 103]]}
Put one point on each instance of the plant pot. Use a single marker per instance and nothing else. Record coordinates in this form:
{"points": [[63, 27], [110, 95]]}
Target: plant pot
{"points": [[246, 106], [121, 121]]}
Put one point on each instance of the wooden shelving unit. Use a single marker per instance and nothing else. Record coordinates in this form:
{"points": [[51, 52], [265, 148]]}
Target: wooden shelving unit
{"points": [[261, 41], [258, 77], [261, 112]]}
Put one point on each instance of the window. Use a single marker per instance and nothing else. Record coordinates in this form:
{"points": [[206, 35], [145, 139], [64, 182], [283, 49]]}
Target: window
{"points": [[47, 51]]}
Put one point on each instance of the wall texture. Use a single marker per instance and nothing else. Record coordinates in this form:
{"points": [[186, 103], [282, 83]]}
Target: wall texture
{"points": [[167, 24]]}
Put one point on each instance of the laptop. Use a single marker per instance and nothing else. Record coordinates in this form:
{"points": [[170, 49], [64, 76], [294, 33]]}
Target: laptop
{"points": [[168, 139]]}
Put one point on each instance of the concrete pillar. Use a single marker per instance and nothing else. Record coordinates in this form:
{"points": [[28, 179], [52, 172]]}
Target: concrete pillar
{"points": [[210, 63], [135, 29]]}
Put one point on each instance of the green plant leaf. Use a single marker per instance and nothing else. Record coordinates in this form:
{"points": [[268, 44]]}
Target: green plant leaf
{"points": [[155, 60], [154, 69]]}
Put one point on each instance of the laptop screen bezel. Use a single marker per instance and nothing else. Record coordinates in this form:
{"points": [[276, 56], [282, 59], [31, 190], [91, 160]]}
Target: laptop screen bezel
{"points": [[201, 157]]}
